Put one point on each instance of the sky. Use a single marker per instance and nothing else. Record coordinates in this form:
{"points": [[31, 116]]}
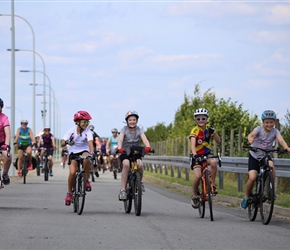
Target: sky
{"points": [[108, 57]]}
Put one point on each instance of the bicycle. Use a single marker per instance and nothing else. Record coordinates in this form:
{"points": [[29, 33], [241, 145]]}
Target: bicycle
{"points": [[115, 167], [206, 185], [133, 187], [1, 166], [263, 195], [45, 167], [79, 188], [94, 171]]}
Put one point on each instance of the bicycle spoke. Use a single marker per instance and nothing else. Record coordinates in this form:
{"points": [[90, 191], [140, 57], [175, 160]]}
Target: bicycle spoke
{"points": [[267, 198]]}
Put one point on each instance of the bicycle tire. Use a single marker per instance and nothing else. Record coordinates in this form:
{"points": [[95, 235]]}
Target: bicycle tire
{"points": [[267, 192], [24, 168], [93, 176], [137, 194], [201, 206], [81, 192], [129, 191], [75, 200], [46, 169], [253, 203], [208, 193], [37, 166]]}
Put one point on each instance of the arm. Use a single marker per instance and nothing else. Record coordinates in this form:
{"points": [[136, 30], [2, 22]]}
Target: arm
{"points": [[192, 145], [108, 146], [216, 137], [282, 142], [252, 136], [120, 141], [7, 135], [53, 142], [145, 140], [16, 136], [63, 143], [91, 146]]}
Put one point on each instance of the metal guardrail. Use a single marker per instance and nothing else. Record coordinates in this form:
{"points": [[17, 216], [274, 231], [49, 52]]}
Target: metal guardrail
{"points": [[237, 165]]}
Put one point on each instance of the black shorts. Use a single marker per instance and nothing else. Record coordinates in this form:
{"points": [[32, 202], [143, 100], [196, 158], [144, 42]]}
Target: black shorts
{"points": [[23, 147], [254, 164], [123, 157], [49, 151]]}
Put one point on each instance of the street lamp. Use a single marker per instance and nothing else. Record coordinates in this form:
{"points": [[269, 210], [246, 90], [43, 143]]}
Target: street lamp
{"points": [[20, 111], [34, 52]]}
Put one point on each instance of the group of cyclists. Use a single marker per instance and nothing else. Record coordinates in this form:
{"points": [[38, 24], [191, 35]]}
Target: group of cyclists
{"points": [[82, 140]]}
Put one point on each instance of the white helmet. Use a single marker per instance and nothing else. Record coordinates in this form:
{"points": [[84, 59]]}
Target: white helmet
{"points": [[201, 111]]}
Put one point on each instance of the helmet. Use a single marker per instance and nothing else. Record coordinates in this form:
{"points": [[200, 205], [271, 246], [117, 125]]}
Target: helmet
{"points": [[130, 113], [268, 114], [1, 103], [114, 130], [201, 111], [24, 121], [47, 127], [82, 115], [91, 127]]}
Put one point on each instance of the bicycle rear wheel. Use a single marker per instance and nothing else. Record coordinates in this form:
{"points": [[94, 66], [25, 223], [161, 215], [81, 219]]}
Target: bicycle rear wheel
{"points": [[267, 197], [129, 191], [37, 166], [208, 193], [46, 169], [137, 194], [201, 206], [24, 168], [81, 192], [253, 203]]}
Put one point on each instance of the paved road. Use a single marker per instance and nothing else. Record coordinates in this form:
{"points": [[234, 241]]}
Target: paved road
{"points": [[33, 216]]}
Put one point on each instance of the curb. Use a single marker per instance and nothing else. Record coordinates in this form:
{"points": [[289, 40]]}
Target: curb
{"points": [[278, 210]]}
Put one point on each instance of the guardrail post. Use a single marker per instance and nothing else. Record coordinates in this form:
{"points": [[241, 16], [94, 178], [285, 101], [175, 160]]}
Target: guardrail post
{"points": [[166, 170], [221, 179], [179, 172], [160, 170], [187, 174], [172, 171], [240, 182]]}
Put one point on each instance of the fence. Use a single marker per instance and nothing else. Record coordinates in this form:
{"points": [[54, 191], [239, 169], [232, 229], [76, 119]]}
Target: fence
{"points": [[237, 165]]}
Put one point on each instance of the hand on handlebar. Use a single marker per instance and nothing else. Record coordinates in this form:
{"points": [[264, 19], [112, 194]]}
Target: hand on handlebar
{"points": [[120, 150], [147, 150], [5, 147]]}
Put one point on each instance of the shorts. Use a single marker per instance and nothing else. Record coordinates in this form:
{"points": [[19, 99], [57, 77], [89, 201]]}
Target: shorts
{"points": [[49, 151], [23, 147], [123, 157], [254, 164], [72, 156]]}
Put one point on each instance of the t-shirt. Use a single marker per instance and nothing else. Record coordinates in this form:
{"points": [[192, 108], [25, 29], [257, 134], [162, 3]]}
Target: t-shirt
{"points": [[80, 141], [4, 121], [263, 140], [203, 140], [113, 144], [131, 138], [24, 136]]}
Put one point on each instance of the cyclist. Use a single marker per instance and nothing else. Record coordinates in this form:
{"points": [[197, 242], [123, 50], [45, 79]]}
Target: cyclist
{"points": [[130, 135], [80, 141], [5, 134], [103, 159], [263, 137], [47, 142], [64, 154], [112, 145], [24, 138], [96, 143], [201, 137]]}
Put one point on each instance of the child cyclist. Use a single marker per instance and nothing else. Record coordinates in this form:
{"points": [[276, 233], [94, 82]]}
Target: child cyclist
{"points": [[80, 141], [262, 137], [130, 135], [200, 141]]}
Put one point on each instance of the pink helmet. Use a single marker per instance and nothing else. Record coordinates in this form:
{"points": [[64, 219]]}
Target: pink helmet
{"points": [[82, 115]]}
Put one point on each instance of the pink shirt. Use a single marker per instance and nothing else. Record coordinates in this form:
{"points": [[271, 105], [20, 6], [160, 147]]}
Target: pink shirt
{"points": [[3, 123]]}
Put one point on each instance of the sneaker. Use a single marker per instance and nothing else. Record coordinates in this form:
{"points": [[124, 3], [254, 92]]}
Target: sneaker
{"points": [[50, 173], [68, 198], [122, 195], [88, 186], [61, 164], [19, 174], [97, 174], [30, 167], [215, 192], [41, 164], [6, 179], [195, 202], [142, 187], [244, 203]]}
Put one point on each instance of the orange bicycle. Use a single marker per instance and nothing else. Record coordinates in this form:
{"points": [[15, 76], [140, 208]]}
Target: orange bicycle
{"points": [[206, 185]]}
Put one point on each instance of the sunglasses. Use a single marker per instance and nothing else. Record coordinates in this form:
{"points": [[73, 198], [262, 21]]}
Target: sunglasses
{"points": [[200, 119], [84, 121]]}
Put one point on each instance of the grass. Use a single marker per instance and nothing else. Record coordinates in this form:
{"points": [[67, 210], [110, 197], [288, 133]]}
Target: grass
{"points": [[230, 185]]}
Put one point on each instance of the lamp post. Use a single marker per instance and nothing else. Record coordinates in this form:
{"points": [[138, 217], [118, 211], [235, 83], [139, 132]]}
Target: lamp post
{"points": [[20, 111], [33, 84], [13, 62]]}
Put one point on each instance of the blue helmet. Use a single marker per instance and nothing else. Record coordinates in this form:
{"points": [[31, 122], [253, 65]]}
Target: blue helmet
{"points": [[268, 114], [1, 103]]}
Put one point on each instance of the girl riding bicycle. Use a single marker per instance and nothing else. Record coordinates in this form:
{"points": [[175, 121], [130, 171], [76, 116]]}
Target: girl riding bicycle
{"points": [[200, 141], [80, 141], [262, 136], [130, 135]]}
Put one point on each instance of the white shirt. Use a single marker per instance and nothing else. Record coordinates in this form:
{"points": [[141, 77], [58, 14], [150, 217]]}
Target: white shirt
{"points": [[80, 141]]}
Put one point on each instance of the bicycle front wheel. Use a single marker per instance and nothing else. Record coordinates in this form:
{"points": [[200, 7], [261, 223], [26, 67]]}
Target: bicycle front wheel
{"points": [[24, 169], [208, 194], [253, 203], [46, 169], [267, 197], [137, 194], [129, 191], [201, 206], [81, 192]]}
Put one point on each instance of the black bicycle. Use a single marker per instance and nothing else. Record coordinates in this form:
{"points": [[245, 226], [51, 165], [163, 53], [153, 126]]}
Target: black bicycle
{"points": [[115, 167], [24, 167], [1, 166], [79, 188], [263, 194], [94, 167], [133, 187], [45, 167]]}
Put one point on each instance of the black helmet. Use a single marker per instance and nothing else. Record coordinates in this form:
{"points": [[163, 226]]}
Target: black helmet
{"points": [[1, 103]]}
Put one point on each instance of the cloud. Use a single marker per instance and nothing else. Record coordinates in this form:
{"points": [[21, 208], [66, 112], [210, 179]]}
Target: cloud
{"points": [[133, 54], [271, 36], [279, 15]]}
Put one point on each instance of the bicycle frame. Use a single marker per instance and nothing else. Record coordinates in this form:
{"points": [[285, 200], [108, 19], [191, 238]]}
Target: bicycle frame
{"points": [[1, 166]]}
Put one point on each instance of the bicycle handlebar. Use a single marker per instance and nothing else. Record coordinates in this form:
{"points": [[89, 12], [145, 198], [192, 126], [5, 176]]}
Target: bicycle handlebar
{"points": [[267, 151], [8, 151], [200, 158]]}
